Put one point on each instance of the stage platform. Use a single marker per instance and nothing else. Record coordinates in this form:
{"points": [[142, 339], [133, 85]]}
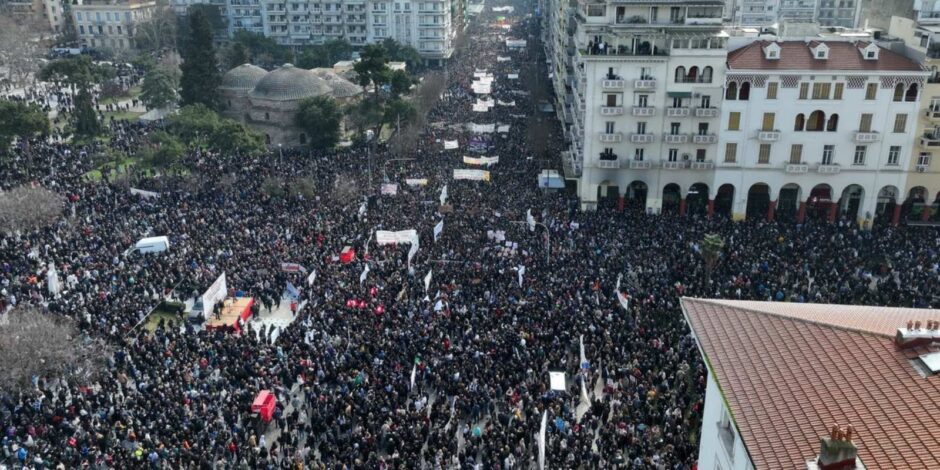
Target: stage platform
{"points": [[233, 310]]}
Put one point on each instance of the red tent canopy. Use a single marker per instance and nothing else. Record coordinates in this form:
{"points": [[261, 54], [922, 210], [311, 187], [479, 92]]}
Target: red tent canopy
{"points": [[264, 405]]}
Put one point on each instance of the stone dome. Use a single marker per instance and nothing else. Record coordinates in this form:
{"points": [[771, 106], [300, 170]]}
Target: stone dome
{"points": [[290, 83], [243, 77], [341, 87]]}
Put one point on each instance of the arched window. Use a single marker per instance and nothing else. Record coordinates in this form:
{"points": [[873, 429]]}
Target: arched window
{"points": [[899, 92], [303, 139], [816, 121], [833, 124], [731, 93], [267, 117], [680, 74], [799, 123], [745, 93], [693, 73], [707, 75], [911, 93]]}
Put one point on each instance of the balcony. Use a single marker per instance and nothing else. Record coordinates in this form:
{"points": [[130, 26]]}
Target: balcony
{"points": [[611, 110], [644, 84], [796, 168], [608, 161], [702, 165], [613, 83], [676, 138], [829, 169], [643, 111], [641, 138], [677, 112], [611, 138], [930, 140], [640, 165], [867, 137], [768, 136], [706, 112], [697, 21], [673, 165], [933, 113], [704, 139]]}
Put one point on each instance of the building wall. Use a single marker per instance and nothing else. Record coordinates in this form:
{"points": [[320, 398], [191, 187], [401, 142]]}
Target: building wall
{"points": [[102, 25], [720, 447]]}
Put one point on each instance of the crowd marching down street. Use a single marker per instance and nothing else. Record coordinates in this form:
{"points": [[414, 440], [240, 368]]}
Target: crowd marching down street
{"points": [[431, 352]]}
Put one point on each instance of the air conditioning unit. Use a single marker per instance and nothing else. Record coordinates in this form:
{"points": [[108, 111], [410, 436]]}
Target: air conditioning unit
{"points": [[686, 156]]}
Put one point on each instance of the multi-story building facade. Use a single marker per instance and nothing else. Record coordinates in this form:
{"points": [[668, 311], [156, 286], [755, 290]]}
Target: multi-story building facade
{"points": [[642, 93], [813, 129], [802, 11], [843, 13], [429, 25], [111, 25], [754, 12]]}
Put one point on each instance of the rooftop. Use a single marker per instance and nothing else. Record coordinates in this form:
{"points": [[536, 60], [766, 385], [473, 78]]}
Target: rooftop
{"points": [[797, 55], [789, 371]]}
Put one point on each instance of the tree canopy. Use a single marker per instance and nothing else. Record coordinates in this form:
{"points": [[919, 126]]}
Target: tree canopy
{"points": [[320, 119], [18, 119], [78, 72], [325, 55], [159, 88], [201, 77], [263, 51]]}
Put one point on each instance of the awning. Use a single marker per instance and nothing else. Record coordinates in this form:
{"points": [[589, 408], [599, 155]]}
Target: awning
{"points": [[679, 94]]}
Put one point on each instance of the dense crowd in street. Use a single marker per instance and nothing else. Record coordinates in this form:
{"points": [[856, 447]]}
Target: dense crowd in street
{"points": [[481, 338]]}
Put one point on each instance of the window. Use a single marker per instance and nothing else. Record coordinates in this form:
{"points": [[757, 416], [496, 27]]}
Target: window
{"points": [[864, 124], [642, 101], [767, 124], [611, 99], [700, 155], [899, 92], [900, 123], [641, 128], [828, 153], [799, 123], [745, 93], [703, 128], [638, 154], [609, 127], [734, 121], [763, 155], [731, 152], [706, 102], [894, 155], [796, 153], [680, 74], [911, 94], [731, 93], [860, 151], [81, 29], [772, 91], [923, 159], [870, 91], [78, 16], [673, 155], [833, 124], [821, 91], [674, 128], [804, 91], [837, 95]]}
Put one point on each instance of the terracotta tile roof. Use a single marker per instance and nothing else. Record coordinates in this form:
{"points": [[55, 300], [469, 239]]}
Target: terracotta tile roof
{"points": [[796, 55], [789, 371]]}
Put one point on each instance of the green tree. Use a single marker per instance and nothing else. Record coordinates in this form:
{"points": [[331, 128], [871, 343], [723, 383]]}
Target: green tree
{"points": [[20, 120], [320, 118], [712, 245], [236, 54], [399, 111], [165, 151], [400, 82], [201, 77], [159, 88], [364, 115], [325, 55], [398, 52], [263, 51], [232, 137], [85, 121], [193, 123], [372, 68], [78, 72]]}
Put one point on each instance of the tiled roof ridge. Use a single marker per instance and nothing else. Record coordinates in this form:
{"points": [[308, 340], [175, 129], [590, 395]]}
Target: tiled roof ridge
{"points": [[723, 303]]}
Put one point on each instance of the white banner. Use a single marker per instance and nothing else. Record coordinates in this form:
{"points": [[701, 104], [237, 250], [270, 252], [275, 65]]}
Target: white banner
{"points": [[365, 273], [414, 250], [498, 236], [482, 88], [481, 160], [450, 144], [542, 436], [507, 9], [144, 194], [438, 229], [292, 268], [584, 362], [480, 108], [389, 189], [503, 129], [385, 237], [481, 128], [416, 181], [556, 380], [623, 299], [506, 103], [444, 195], [585, 398], [481, 74], [414, 370], [427, 281], [474, 175], [503, 59], [515, 43], [513, 76], [213, 295]]}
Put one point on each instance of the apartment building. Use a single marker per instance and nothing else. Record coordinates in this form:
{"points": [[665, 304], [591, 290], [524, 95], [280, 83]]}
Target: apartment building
{"points": [[429, 26], [111, 24]]}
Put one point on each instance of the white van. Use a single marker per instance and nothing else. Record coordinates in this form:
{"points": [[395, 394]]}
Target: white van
{"points": [[150, 245]]}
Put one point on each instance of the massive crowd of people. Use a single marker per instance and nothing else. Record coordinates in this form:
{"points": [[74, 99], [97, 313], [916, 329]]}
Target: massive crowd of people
{"points": [[480, 338]]}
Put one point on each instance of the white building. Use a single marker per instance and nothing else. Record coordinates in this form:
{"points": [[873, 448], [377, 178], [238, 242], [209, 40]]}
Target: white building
{"points": [[844, 13], [429, 25], [781, 374], [641, 99], [816, 129], [111, 25]]}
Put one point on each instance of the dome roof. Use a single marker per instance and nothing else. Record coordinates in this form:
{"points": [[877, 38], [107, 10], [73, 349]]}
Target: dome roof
{"points": [[290, 83], [341, 87], [243, 77]]}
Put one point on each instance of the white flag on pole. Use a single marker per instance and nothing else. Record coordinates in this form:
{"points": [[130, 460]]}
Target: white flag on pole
{"points": [[414, 370], [362, 277], [584, 362], [427, 280], [530, 220], [438, 229], [311, 278], [444, 195], [362, 209], [623, 299], [521, 269], [542, 440], [585, 398]]}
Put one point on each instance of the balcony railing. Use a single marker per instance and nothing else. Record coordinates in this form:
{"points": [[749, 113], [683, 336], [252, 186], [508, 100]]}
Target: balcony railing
{"points": [[640, 164], [641, 138], [930, 140], [828, 169], [704, 139], [673, 165], [867, 137], [644, 111], [613, 83], [676, 138], [706, 112], [796, 168], [612, 137], [608, 161], [611, 110], [694, 80], [768, 136], [702, 165], [644, 84], [933, 113], [677, 112]]}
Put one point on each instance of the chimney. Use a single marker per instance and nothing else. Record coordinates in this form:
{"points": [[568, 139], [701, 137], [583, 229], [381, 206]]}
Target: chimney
{"points": [[918, 334], [838, 452]]}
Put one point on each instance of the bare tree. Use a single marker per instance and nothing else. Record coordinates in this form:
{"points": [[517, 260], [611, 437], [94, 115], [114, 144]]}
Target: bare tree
{"points": [[47, 346], [346, 189], [405, 142], [273, 187], [303, 186], [20, 48], [430, 91], [26, 208]]}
